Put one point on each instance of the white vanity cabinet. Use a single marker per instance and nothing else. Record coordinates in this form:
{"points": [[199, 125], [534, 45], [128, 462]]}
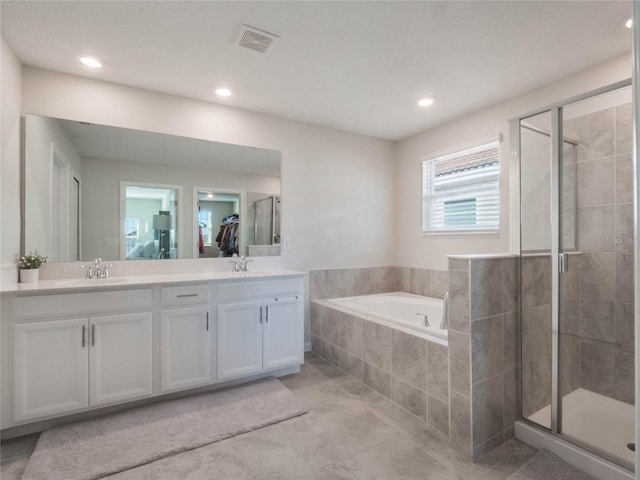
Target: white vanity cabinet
{"points": [[185, 338], [66, 361], [261, 330]]}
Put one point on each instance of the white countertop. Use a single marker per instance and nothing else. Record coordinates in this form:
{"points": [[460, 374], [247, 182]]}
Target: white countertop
{"points": [[79, 284]]}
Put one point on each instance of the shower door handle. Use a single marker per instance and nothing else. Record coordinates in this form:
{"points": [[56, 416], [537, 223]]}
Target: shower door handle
{"points": [[563, 262]]}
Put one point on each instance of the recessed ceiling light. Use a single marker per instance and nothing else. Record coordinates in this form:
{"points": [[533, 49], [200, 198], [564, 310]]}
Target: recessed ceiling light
{"points": [[223, 92], [426, 102], [91, 62], [629, 23]]}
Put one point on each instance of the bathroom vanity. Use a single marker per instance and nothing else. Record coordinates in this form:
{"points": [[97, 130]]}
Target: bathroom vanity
{"points": [[71, 346]]}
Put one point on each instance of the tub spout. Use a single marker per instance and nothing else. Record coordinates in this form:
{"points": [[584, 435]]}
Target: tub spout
{"points": [[425, 322], [444, 324]]}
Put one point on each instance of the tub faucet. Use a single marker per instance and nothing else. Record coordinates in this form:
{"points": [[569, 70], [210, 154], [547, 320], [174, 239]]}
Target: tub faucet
{"points": [[444, 324], [425, 322]]}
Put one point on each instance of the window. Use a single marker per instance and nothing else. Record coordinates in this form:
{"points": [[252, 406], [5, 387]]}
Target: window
{"points": [[461, 191], [131, 232]]}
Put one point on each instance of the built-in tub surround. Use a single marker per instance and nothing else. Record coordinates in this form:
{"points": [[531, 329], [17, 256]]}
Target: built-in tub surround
{"points": [[398, 362], [482, 352]]}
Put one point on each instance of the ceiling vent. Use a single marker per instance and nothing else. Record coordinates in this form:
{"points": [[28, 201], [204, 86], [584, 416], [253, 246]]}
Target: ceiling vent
{"points": [[255, 39]]}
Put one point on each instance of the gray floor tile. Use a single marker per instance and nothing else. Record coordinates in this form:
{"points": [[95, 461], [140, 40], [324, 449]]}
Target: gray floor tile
{"points": [[12, 469]]}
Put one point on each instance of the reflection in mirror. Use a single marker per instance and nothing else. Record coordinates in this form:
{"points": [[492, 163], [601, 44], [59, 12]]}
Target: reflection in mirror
{"points": [[149, 223], [263, 218], [73, 201], [218, 223]]}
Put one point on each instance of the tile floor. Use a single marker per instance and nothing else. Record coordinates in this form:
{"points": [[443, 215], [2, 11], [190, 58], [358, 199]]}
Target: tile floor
{"points": [[351, 432]]}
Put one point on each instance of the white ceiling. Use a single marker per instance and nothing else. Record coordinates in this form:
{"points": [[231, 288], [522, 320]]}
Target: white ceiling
{"points": [[358, 66]]}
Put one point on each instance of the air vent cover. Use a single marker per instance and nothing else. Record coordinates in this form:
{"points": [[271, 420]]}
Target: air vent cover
{"points": [[255, 39]]}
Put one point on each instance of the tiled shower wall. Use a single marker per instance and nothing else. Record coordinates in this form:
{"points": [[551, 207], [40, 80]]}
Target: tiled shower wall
{"points": [[482, 353], [605, 241]]}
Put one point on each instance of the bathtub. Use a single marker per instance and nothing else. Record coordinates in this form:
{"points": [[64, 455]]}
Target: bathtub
{"points": [[402, 311]]}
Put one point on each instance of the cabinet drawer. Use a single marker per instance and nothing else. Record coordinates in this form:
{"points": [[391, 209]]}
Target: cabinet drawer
{"points": [[88, 303], [186, 295], [258, 289]]}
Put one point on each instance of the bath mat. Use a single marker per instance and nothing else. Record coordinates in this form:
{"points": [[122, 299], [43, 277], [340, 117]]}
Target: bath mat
{"points": [[99, 447], [545, 466]]}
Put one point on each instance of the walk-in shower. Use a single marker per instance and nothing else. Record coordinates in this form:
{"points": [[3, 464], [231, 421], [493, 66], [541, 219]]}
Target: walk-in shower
{"points": [[576, 366]]}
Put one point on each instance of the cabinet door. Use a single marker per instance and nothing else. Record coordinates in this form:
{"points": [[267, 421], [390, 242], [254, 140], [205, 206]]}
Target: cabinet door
{"points": [[120, 358], [239, 339], [185, 352], [282, 337], [51, 368]]}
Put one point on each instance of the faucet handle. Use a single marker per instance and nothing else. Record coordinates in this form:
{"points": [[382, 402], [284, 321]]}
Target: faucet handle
{"points": [[105, 270], [89, 272]]}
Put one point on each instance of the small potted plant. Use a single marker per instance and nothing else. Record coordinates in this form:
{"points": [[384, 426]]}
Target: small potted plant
{"points": [[29, 266]]}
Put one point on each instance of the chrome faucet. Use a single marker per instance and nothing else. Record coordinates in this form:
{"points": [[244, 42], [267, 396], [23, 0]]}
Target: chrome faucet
{"points": [[240, 264], [444, 324], [244, 263], [425, 322], [98, 271]]}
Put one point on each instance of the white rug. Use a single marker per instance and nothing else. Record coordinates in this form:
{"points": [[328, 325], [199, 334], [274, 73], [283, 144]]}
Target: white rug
{"points": [[547, 466], [99, 447]]}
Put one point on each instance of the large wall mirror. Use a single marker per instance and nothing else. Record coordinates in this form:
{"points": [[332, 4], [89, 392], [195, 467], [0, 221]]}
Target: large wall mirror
{"points": [[98, 191]]}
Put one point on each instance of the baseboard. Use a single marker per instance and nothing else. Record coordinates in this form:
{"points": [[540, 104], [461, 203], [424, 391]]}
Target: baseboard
{"points": [[570, 453]]}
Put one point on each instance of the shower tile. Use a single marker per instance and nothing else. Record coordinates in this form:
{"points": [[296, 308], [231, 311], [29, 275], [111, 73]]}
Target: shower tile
{"points": [[510, 412], [317, 284], [536, 333], [459, 301], [624, 328], [624, 227], [571, 310], [594, 133], [599, 262], [596, 227], [510, 341], [597, 361], [597, 320], [624, 386], [536, 385], [487, 405], [409, 397], [486, 288], [600, 285], [624, 128], [420, 281], [624, 277], [351, 364], [438, 371], [351, 334], [459, 264], [509, 285], [316, 318], [438, 414], [340, 283], [536, 281], [596, 182], [570, 354], [624, 178], [332, 326], [409, 358], [459, 359], [377, 345], [487, 348], [377, 379], [402, 276], [460, 426], [491, 444], [439, 283]]}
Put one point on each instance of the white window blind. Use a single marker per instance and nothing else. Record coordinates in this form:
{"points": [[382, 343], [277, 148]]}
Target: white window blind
{"points": [[461, 191]]}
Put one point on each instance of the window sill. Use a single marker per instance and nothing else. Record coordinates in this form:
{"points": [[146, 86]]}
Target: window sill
{"points": [[460, 232]]}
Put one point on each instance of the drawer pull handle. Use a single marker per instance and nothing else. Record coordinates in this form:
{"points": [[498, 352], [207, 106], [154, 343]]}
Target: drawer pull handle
{"points": [[267, 315], [93, 335], [84, 335], [185, 295], [207, 326], [260, 314]]}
